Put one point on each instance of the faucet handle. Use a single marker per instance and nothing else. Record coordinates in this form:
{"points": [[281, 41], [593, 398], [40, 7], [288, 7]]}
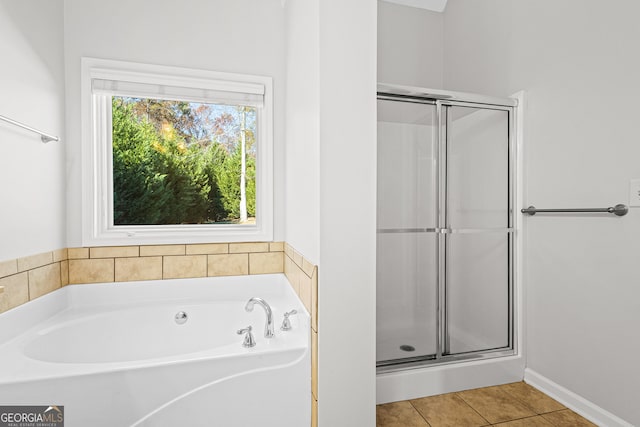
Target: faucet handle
{"points": [[286, 323], [249, 341]]}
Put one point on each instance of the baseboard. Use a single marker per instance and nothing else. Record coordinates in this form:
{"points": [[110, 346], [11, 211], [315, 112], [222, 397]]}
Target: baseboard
{"points": [[575, 402]]}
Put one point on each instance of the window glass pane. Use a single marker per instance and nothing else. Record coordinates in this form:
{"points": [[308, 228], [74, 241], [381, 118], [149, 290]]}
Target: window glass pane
{"points": [[181, 162]]}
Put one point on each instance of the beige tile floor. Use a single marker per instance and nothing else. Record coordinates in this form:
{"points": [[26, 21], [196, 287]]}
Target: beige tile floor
{"points": [[509, 405]]}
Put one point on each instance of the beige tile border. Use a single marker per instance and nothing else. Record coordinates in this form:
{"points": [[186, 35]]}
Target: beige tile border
{"points": [[314, 364], [138, 268], [303, 277], [156, 250], [185, 266], [34, 261], [64, 273], [77, 253], [114, 252], [98, 270], [16, 290], [60, 255], [314, 411], [236, 248], [276, 247], [29, 277], [7, 268], [228, 265], [43, 280], [79, 265], [305, 291], [307, 267], [208, 249], [314, 299], [297, 258], [266, 263]]}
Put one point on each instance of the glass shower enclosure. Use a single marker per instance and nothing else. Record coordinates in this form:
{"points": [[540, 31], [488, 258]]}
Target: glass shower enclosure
{"points": [[445, 210]]}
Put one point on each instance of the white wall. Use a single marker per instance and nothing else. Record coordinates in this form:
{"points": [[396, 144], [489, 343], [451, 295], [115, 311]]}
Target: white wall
{"points": [[32, 218], [243, 36], [302, 128], [410, 46], [577, 61], [330, 191], [346, 329]]}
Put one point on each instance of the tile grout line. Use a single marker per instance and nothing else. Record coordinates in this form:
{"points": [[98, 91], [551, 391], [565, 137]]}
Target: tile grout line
{"points": [[419, 413], [559, 410], [523, 402], [474, 409], [28, 285], [536, 413], [517, 419], [529, 406]]}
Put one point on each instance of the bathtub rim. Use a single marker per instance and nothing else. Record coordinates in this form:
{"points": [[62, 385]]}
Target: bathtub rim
{"points": [[34, 314]]}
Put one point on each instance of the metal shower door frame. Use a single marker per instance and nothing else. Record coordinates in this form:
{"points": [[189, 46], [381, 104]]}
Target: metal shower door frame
{"points": [[442, 231]]}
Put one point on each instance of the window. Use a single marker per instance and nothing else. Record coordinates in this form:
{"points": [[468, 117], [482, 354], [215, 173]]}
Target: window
{"points": [[175, 155]]}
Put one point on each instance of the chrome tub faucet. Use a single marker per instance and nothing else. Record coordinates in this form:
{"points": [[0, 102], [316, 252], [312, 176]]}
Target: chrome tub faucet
{"points": [[268, 327]]}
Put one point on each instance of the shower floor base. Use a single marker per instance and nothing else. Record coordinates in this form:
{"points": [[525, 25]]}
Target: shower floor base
{"points": [[438, 379], [391, 345]]}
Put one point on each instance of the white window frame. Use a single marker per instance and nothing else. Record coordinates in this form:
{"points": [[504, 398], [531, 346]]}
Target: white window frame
{"points": [[97, 184]]}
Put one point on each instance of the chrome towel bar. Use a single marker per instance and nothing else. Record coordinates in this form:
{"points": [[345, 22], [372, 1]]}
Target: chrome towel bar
{"points": [[45, 137], [619, 210]]}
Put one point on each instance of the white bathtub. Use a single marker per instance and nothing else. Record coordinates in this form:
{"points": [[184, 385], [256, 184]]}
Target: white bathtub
{"points": [[114, 355]]}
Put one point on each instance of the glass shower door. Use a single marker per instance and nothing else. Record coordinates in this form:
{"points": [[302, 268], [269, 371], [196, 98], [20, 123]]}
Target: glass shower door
{"points": [[478, 229], [445, 239], [407, 278]]}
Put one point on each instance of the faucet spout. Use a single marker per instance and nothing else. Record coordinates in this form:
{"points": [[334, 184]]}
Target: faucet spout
{"points": [[268, 327]]}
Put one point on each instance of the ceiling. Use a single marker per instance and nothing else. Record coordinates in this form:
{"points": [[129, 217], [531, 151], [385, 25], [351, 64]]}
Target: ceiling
{"points": [[435, 5]]}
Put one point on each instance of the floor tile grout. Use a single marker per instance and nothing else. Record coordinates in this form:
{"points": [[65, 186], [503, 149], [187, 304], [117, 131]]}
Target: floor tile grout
{"points": [[419, 413], [525, 400], [516, 419], [529, 406], [474, 409]]}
